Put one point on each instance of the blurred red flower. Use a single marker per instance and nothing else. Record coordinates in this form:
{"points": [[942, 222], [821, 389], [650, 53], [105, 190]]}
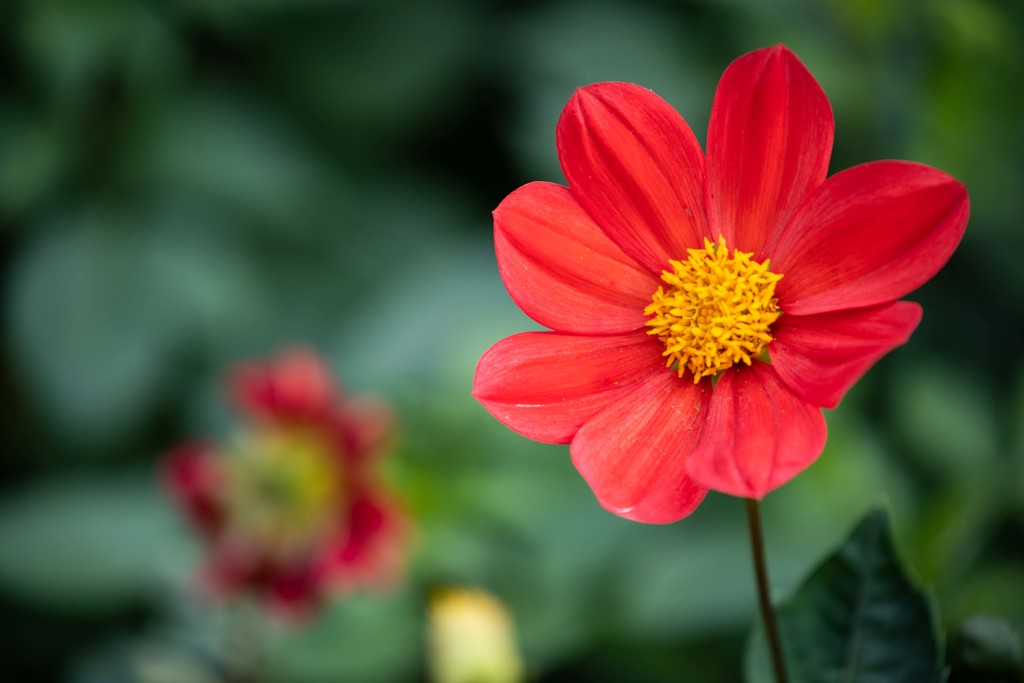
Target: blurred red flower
{"points": [[291, 506], [764, 287]]}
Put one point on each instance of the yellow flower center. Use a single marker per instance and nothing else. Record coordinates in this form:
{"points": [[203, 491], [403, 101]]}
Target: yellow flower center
{"points": [[283, 489], [717, 310]]}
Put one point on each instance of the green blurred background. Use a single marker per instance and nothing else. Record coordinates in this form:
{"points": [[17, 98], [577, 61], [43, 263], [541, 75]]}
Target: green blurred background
{"points": [[187, 183]]}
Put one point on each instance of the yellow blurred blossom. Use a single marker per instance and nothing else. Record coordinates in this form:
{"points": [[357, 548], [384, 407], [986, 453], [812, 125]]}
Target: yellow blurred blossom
{"points": [[472, 639]]}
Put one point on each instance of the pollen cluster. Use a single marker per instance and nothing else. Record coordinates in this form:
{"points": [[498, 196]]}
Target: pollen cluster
{"points": [[283, 487], [716, 311]]}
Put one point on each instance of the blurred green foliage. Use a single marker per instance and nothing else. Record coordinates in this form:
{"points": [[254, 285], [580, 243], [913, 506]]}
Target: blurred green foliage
{"points": [[187, 183]]}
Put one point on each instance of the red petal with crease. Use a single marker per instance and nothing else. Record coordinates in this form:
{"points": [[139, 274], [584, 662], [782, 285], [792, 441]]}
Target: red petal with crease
{"points": [[636, 168], [758, 434], [868, 236], [634, 453], [545, 385], [561, 269], [769, 142], [821, 356]]}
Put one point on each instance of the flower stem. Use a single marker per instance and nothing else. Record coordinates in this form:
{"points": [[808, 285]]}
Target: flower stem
{"points": [[243, 644], [771, 627]]}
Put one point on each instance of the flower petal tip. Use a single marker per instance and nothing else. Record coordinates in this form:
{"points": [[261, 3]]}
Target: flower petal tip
{"points": [[758, 435]]}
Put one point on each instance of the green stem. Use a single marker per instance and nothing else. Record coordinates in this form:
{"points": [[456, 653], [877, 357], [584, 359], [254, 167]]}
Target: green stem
{"points": [[243, 643], [771, 627]]}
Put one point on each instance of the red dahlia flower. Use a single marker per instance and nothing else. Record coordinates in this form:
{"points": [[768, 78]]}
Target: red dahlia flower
{"points": [[704, 308], [291, 507]]}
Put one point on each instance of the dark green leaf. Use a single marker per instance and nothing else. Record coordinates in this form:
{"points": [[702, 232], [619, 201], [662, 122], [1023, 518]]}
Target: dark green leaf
{"points": [[369, 638], [100, 305], [87, 545], [856, 619]]}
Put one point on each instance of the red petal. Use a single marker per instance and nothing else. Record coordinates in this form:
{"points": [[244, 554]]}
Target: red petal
{"points": [[295, 384], [195, 480], [769, 142], [636, 168], [293, 594], [821, 356], [561, 269], [868, 236], [544, 385], [226, 570], [362, 429], [369, 549], [758, 434], [367, 520], [634, 453]]}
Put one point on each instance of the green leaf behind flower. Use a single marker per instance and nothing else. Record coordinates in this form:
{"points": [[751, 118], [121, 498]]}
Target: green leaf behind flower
{"points": [[856, 619]]}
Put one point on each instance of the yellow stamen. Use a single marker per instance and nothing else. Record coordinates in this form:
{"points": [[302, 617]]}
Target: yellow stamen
{"points": [[716, 311], [284, 485]]}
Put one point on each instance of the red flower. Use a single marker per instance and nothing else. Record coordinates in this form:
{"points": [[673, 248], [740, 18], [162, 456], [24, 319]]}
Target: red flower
{"points": [[669, 277], [291, 507]]}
